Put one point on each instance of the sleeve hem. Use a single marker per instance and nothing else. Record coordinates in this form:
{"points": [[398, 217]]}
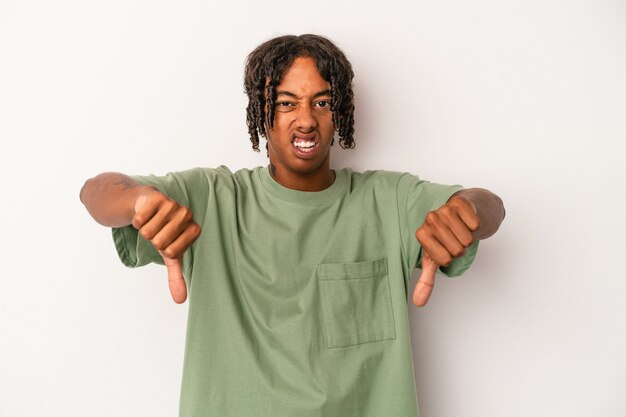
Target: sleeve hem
{"points": [[461, 264], [123, 240]]}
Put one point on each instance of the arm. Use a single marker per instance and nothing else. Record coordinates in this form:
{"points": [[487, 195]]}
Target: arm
{"points": [[116, 200], [110, 198]]}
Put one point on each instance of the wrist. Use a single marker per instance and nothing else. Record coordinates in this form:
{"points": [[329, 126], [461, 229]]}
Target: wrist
{"points": [[487, 206]]}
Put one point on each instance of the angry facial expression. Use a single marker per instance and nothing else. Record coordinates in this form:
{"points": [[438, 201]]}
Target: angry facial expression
{"points": [[300, 140]]}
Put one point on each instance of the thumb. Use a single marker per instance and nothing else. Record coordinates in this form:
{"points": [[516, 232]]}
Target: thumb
{"points": [[175, 278], [426, 281]]}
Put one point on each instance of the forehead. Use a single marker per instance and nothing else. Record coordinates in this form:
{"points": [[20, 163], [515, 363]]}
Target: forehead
{"points": [[303, 77]]}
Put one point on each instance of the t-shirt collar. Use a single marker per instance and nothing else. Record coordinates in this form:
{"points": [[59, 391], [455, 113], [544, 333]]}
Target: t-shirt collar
{"points": [[327, 196]]}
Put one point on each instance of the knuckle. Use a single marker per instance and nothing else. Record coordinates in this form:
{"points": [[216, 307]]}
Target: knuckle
{"points": [[455, 200], [456, 252], [447, 218], [170, 205], [138, 220], [431, 217], [169, 252], [158, 243], [145, 233], [156, 198], [459, 201], [195, 230], [468, 241], [186, 212], [446, 209]]}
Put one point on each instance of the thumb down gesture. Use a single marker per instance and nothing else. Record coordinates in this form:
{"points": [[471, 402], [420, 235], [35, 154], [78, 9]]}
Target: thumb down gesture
{"points": [[170, 228], [426, 281]]}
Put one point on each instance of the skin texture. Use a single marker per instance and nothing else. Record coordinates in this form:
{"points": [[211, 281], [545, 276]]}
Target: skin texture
{"points": [[302, 112]]}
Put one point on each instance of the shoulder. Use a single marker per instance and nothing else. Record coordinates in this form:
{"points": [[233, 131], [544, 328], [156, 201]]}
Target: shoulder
{"points": [[217, 178], [400, 185], [220, 174], [376, 179], [193, 183]]}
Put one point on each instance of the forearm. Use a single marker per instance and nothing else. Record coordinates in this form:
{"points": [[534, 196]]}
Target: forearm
{"points": [[489, 208], [110, 198]]}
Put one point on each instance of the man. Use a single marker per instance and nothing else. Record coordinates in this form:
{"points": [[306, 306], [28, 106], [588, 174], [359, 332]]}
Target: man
{"points": [[296, 273]]}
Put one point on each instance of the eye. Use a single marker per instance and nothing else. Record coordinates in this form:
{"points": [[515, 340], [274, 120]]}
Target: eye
{"points": [[322, 103], [285, 106]]}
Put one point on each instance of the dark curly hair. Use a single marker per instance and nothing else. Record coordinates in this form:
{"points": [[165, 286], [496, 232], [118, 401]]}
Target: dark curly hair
{"points": [[266, 65]]}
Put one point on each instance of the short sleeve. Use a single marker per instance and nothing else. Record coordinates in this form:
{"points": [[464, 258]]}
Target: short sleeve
{"points": [[415, 199], [189, 188]]}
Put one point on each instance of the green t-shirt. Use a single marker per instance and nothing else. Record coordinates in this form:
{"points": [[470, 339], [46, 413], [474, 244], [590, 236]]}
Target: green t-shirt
{"points": [[298, 300]]}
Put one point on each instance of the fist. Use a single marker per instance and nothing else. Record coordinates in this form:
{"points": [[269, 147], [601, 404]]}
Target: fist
{"points": [[170, 228], [447, 231], [165, 223]]}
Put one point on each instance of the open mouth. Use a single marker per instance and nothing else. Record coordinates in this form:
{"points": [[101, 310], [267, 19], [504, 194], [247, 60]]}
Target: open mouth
{"points": [[305, 145]]}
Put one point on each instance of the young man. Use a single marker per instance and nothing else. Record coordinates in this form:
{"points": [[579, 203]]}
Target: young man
{"points": [[297, 274]]}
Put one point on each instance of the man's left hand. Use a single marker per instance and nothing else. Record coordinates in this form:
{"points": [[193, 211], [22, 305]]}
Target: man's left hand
{"points": [[445, 235], [447, 231]]}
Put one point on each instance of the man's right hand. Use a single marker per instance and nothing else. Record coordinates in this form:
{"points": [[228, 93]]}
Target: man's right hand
{"points": [[170, 228]]}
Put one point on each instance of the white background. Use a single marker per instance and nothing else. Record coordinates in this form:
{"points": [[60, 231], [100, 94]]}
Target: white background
{"points": [[526, 98]]}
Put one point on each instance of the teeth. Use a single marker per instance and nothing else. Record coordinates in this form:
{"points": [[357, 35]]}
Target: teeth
{"points": [[304, 144]]}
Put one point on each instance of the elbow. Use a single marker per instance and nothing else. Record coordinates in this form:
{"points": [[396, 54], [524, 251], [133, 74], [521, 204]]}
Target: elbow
{"points": [[84, 190], [81, 194]]}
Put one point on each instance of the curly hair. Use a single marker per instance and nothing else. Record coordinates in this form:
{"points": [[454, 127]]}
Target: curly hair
{"points": [[266, 65]]}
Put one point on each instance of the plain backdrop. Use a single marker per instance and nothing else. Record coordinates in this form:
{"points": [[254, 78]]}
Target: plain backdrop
{"points": [[526, 98]]}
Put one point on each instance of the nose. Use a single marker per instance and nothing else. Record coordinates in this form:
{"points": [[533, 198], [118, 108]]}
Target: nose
{"points": [[305, 118]]}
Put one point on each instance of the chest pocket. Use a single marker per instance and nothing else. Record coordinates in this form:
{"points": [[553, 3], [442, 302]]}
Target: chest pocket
{"points": [[356, 302]]}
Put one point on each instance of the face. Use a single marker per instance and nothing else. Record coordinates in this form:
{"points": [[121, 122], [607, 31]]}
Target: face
{"points": [[299, 143]]}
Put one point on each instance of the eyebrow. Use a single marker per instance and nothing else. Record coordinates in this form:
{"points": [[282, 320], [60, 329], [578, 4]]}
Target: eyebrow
{"points": [[290, 94]]}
